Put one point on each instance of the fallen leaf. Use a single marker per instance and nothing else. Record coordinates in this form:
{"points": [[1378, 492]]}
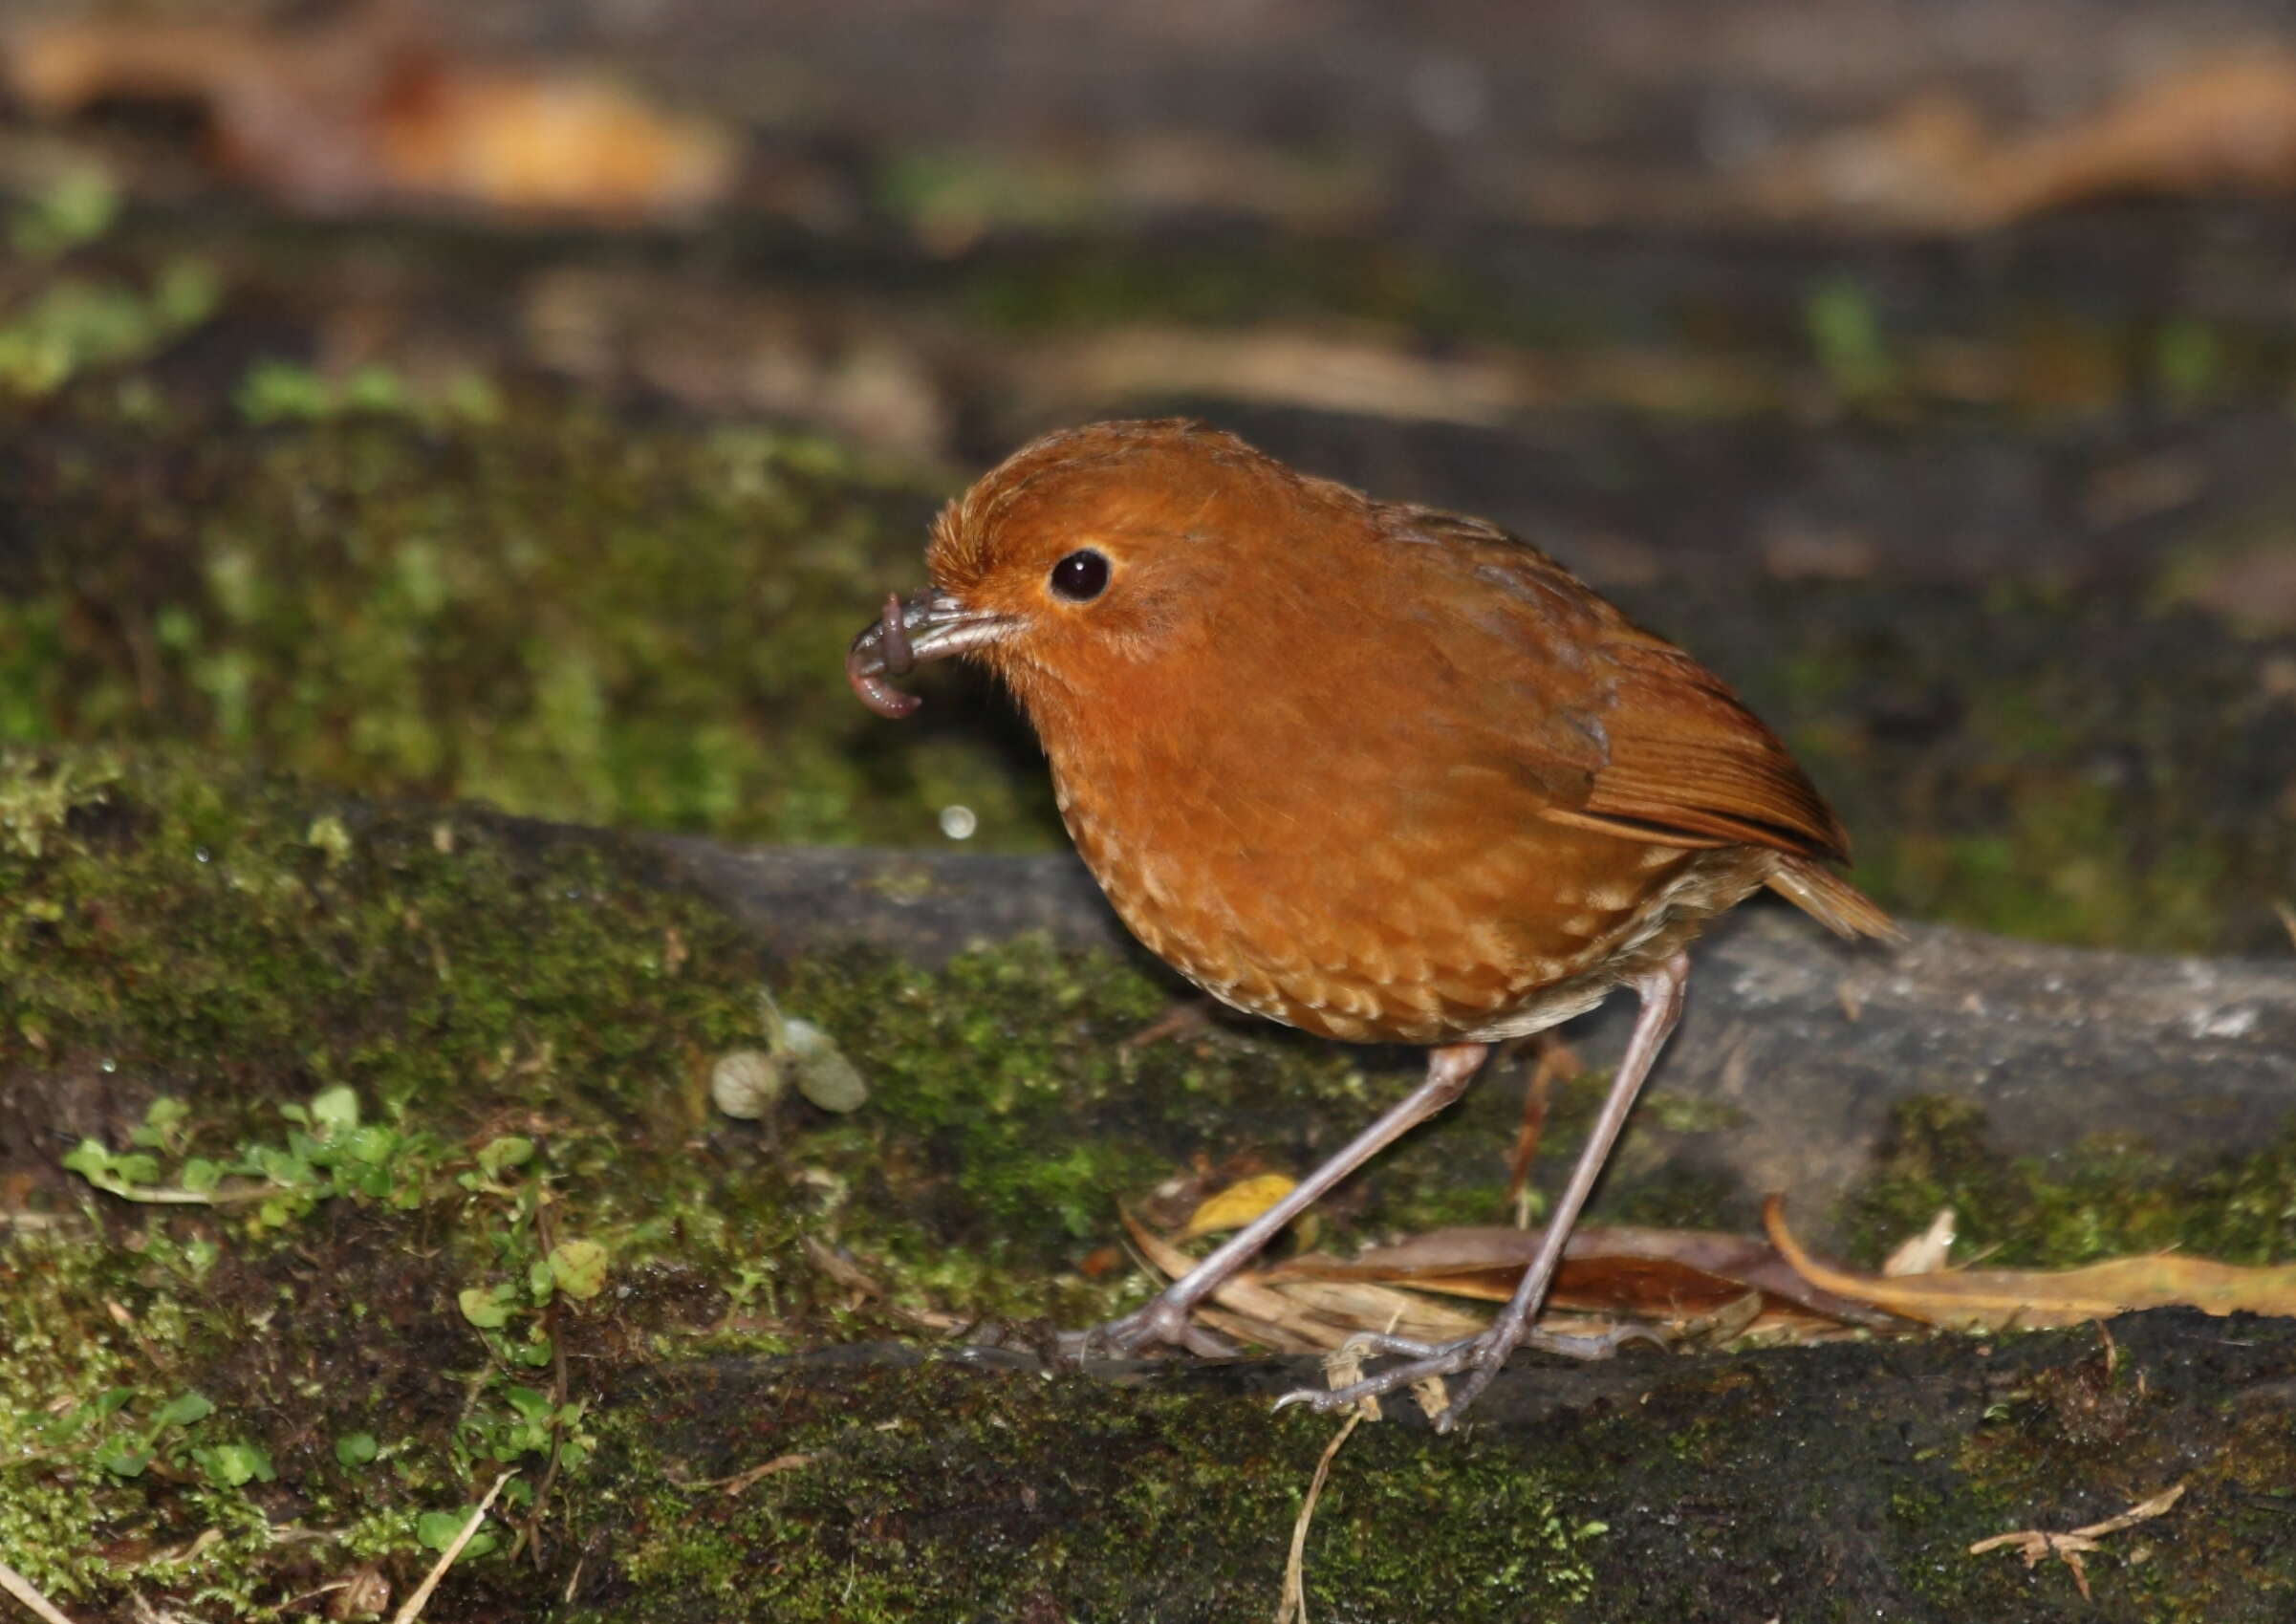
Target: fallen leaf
{"points": [[1236, 1205], [1613, 1269], [373, 109], [2222, 124], [2227, 124], [1997, 1299], [1307, 1315]]}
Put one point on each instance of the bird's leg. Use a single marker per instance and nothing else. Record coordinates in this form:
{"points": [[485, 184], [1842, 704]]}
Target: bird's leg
{"points": [[1482, 1354], [1555, 1061], [1165, 1318]]}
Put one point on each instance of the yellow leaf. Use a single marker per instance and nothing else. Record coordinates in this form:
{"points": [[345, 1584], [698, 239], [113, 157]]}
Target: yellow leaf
{"points": [[1237, 1205], [2031, 1299]]}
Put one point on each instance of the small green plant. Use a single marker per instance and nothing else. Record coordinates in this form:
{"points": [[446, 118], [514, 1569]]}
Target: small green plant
{"points": [[328, 1153], [1847, 333], [77, 208], [2188, 360], [117, 1441], [435, 1530], [234, 1465], [38, 796], [74, 326], [277, 391]]}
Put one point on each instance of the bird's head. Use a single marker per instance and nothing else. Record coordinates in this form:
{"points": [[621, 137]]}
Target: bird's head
{"points": [[1085, 560]]}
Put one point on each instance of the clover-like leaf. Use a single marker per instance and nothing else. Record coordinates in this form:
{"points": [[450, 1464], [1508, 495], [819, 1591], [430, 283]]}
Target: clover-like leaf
{"points": [[579, 1267], [480, 1308]]}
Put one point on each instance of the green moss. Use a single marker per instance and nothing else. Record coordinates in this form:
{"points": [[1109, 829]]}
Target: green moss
{"points": [[1006, 1102], [924, 1495], [359, 1075], [2057, 872], [2066, 767], [530, 605], [422, 1053], [2103, 1198]]}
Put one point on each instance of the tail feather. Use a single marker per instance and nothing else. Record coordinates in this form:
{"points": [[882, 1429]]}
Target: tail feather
{"points": [[1832, 900]]}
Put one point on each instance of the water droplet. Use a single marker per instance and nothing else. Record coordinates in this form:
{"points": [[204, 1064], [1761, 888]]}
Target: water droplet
{"points": [[200, 853], [958, 823]]}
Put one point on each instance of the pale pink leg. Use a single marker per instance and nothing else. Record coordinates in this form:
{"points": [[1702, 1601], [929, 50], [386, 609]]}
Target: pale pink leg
{"points": [[1165, 1318], [1482, 1354]]}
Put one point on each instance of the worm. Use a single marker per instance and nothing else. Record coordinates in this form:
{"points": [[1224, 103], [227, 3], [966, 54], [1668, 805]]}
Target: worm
{"points": [[882, 648]]}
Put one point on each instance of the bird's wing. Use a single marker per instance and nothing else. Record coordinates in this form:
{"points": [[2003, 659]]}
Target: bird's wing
{"points": [[1662, 749], [1687, 758]]}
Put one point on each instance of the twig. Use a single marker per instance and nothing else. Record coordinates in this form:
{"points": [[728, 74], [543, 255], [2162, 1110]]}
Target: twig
{"points": [[414, 1604], [741, 1479], [1295, 1606], [2034, 1543], [1343, 1367], [163, 1195], [18, 1585]]}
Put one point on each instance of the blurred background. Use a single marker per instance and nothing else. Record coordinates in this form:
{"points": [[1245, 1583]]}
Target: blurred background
{"points": [[527, 401]]}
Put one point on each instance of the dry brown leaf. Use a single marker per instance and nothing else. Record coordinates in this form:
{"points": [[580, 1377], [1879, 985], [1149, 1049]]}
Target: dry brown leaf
{"points": [[1615, 1269], [1323, 370], [2225, 124], [1996, 1299], [1310, 1315], [2222, 124], [372, 110]]}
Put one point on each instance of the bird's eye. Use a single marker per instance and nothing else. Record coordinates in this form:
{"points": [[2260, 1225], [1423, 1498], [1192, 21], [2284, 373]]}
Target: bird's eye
{"points": [[1081, 577]]}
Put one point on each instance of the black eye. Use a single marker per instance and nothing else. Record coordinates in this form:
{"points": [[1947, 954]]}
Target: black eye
{"points": [[1080, 576]]}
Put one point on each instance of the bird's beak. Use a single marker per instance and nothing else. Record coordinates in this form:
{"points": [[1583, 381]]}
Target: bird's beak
{"points": [[932, 625]]}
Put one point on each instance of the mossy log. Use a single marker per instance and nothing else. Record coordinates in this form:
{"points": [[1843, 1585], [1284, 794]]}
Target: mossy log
{"points": [[441, 1045], [1800, 1046], [1830, 1483]]}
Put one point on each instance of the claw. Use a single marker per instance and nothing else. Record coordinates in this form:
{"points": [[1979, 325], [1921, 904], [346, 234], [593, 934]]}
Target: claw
{"points": [[1157, 1321], [1480, 1357]]}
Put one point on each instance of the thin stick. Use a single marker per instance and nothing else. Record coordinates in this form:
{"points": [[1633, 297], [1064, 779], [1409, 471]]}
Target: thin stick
{"points": [[1343, 1367], [1294, 1607], [18, 1585], [168, 1196], [414, 1604]]}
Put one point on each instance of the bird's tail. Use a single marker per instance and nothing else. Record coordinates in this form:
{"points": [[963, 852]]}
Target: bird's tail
{"points": [[1832, 900]]}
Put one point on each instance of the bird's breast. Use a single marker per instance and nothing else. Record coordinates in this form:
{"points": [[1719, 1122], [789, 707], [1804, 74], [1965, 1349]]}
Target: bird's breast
{"points": [[1372, 896]]}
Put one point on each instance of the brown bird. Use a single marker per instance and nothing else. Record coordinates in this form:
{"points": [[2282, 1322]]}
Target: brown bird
{"points": [[1387, 774]]}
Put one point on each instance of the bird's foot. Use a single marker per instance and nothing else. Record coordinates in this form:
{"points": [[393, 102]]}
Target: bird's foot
{"points": [[1163, 1320], [1480, 1357]]}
